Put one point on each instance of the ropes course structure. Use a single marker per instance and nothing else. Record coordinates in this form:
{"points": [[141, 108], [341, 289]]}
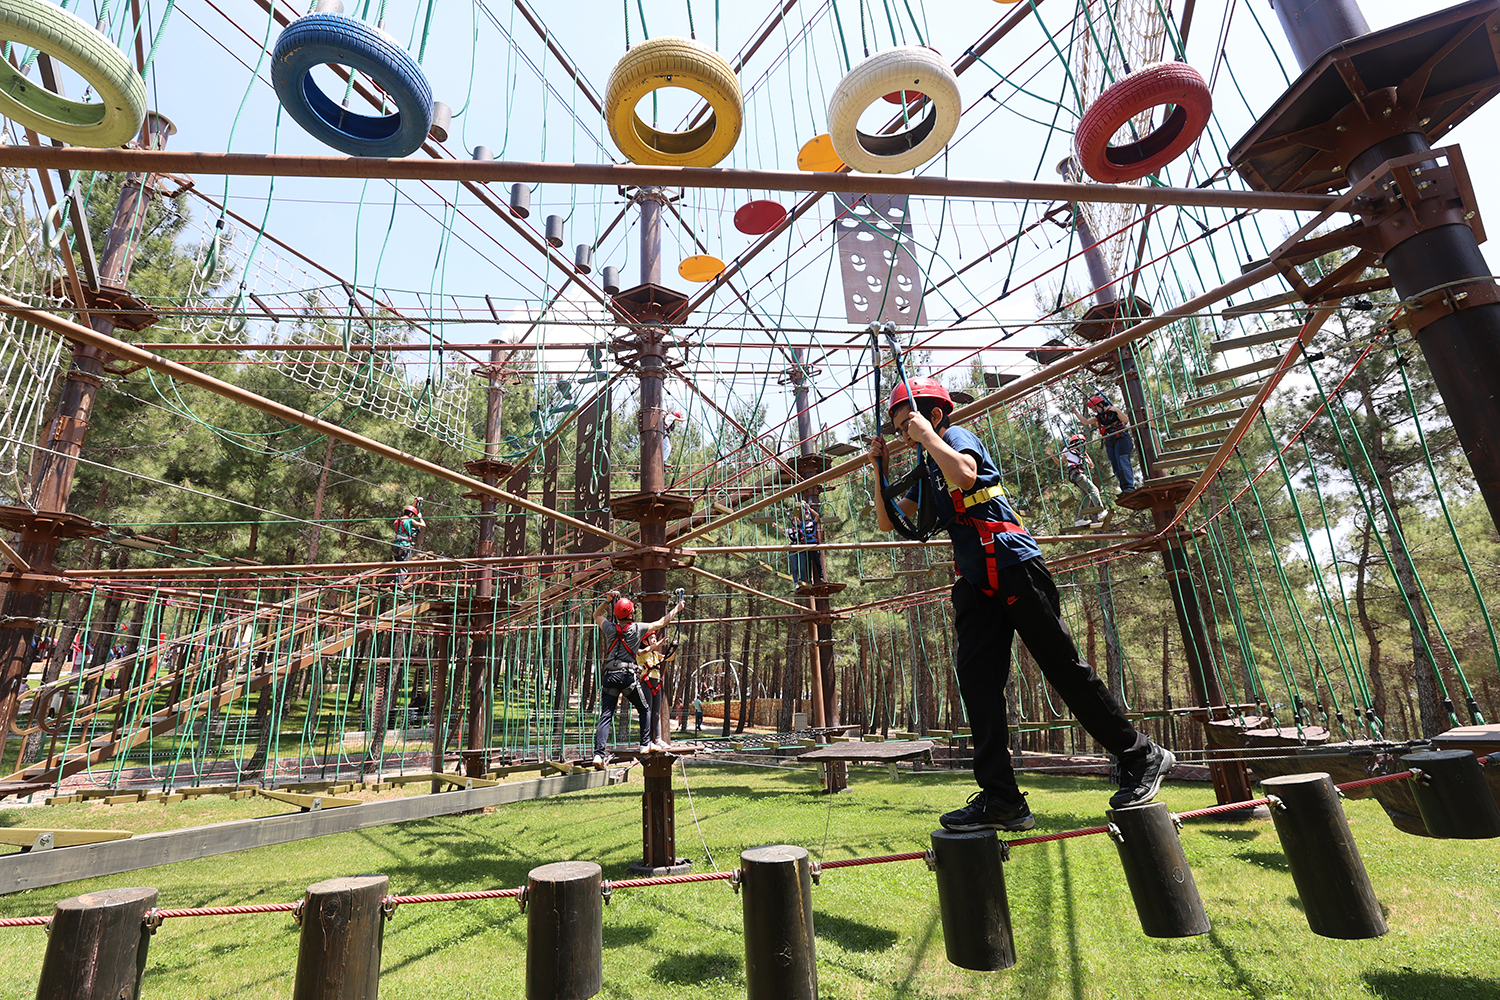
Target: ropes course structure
{"points": [[274, 348]]}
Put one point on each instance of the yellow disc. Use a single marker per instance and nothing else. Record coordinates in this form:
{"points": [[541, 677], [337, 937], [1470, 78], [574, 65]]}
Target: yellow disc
{"points": [[817, 155], [700, 267]]}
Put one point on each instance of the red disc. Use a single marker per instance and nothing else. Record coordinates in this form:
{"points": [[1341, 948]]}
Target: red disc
{"points": [[757, 217]]}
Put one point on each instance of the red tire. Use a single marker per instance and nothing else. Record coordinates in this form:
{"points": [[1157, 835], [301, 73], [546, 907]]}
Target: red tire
{"points": [[1174, 83]]}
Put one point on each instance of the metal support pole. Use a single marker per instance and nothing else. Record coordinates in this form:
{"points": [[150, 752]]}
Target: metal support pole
{"points": [[564, 931], [659, 820], [96, 946], [52, 476], [1452, 795], [780, 954], [1231, 778], [1325, 863], [1462, 349], [1161, 883], [972, 900], [343, 927]]}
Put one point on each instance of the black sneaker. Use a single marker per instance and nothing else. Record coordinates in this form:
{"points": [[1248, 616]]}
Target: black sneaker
{"points": [[1140, 776], [987, 811]]}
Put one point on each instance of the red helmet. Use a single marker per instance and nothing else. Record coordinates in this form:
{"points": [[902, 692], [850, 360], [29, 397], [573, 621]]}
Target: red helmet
{"points": [[923, 388], [1097, 401], [1075, 439], [410, 508], [624, 608]]}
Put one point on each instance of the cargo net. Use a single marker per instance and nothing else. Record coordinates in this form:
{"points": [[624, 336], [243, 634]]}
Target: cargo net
{"points": [[29, 354], [1123, 36], [250, 292]]}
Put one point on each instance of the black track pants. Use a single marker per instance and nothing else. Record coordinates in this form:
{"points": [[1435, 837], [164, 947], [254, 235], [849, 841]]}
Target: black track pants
{"points": [[1025, 603], [615, 683]]}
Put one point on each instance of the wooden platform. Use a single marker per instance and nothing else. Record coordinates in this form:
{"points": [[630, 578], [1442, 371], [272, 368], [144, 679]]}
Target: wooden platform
{"points": [[881, 753]]}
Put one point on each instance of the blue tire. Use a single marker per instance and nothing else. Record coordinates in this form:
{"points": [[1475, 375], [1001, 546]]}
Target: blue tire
{"points": [[333, 38]]}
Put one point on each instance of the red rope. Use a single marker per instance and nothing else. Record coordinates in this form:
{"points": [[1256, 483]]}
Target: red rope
{"points": [[1047, 837], [23, 921], [227, 911], [1365, 782], [637, 883], [1225, 808], [855, 862], [454, 897]]}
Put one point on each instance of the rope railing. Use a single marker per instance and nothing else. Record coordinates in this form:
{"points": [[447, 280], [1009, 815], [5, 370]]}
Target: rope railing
{"points": [[156, 916]]}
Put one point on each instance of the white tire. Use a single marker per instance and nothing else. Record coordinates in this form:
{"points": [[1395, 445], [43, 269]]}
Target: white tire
{"points": [[909, 69]]}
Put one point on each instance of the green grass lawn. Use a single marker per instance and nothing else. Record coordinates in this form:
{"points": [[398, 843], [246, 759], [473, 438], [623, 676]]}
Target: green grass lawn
{"points": [[878, 931]]}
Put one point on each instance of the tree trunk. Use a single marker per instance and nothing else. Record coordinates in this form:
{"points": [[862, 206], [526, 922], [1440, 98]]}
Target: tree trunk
{"points": [[1424, 672], [745, 671], [317, 531], [1372, 637]]}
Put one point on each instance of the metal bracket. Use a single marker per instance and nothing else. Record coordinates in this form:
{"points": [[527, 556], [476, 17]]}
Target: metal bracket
{"points": [[1275, 803], [1116, 834], [816, 871], [1004, 851], [43, 842], [523, 897], [1426, 308], [153, 920], [929, 857], [606, 890], [1420, 776], [297, 911], [735, 877], [388, 907]]}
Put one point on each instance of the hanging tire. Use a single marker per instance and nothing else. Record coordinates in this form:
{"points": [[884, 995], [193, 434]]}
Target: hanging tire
{"points": [[333, 38], [113, 121], [674, 62], [908, 69], [1174, 83]]}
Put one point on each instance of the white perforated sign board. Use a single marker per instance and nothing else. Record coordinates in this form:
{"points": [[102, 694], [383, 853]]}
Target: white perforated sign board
{"points": [[881, 278]]}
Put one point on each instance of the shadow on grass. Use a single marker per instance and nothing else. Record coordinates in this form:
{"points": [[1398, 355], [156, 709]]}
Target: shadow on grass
{"points": [[625, 935], [696, 967], [1239, 834], [1409, 984], [1242, 979], [852, 935], [1273, 860]]}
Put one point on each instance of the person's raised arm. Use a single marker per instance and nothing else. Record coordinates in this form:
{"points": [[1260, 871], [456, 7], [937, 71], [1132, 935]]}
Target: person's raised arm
{"points": [[601, 613], [666, 619], [959, 467], [909, 507]]}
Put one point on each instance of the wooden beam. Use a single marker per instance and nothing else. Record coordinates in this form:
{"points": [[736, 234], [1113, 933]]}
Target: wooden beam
{"points": [[43, 868]]}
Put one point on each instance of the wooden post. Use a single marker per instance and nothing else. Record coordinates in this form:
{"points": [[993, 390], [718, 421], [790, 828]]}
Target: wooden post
{"points": [[1452, 795], [1161, 883], [564, 931], [343, 923], [1325, 862], [780, 953], [972, 900], [96, 947], [659, 820]]}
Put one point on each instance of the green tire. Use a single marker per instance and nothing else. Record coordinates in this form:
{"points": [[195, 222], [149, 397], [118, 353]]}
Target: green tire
{"points": [[113, 121]]}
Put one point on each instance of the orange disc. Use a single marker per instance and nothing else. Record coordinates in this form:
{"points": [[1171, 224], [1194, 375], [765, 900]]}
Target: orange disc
{"points": [[817, 155], [700, 267]]}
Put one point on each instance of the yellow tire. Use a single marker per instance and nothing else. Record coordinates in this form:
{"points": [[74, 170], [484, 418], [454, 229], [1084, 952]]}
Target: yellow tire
{"points": [[908, 69], [674, 62]]}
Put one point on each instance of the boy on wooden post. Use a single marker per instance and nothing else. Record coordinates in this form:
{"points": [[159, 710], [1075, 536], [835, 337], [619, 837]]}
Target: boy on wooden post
{"points": [[408, 526], [1003, 589]]}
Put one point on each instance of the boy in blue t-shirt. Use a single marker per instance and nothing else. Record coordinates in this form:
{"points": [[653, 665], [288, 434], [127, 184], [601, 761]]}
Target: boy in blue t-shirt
{"points": [[1003, 589]]}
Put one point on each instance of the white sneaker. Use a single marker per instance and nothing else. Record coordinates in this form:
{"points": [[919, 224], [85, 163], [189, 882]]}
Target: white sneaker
{"points": [[646, 748], [1082, 522], [660, 745], [600, 759]]}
